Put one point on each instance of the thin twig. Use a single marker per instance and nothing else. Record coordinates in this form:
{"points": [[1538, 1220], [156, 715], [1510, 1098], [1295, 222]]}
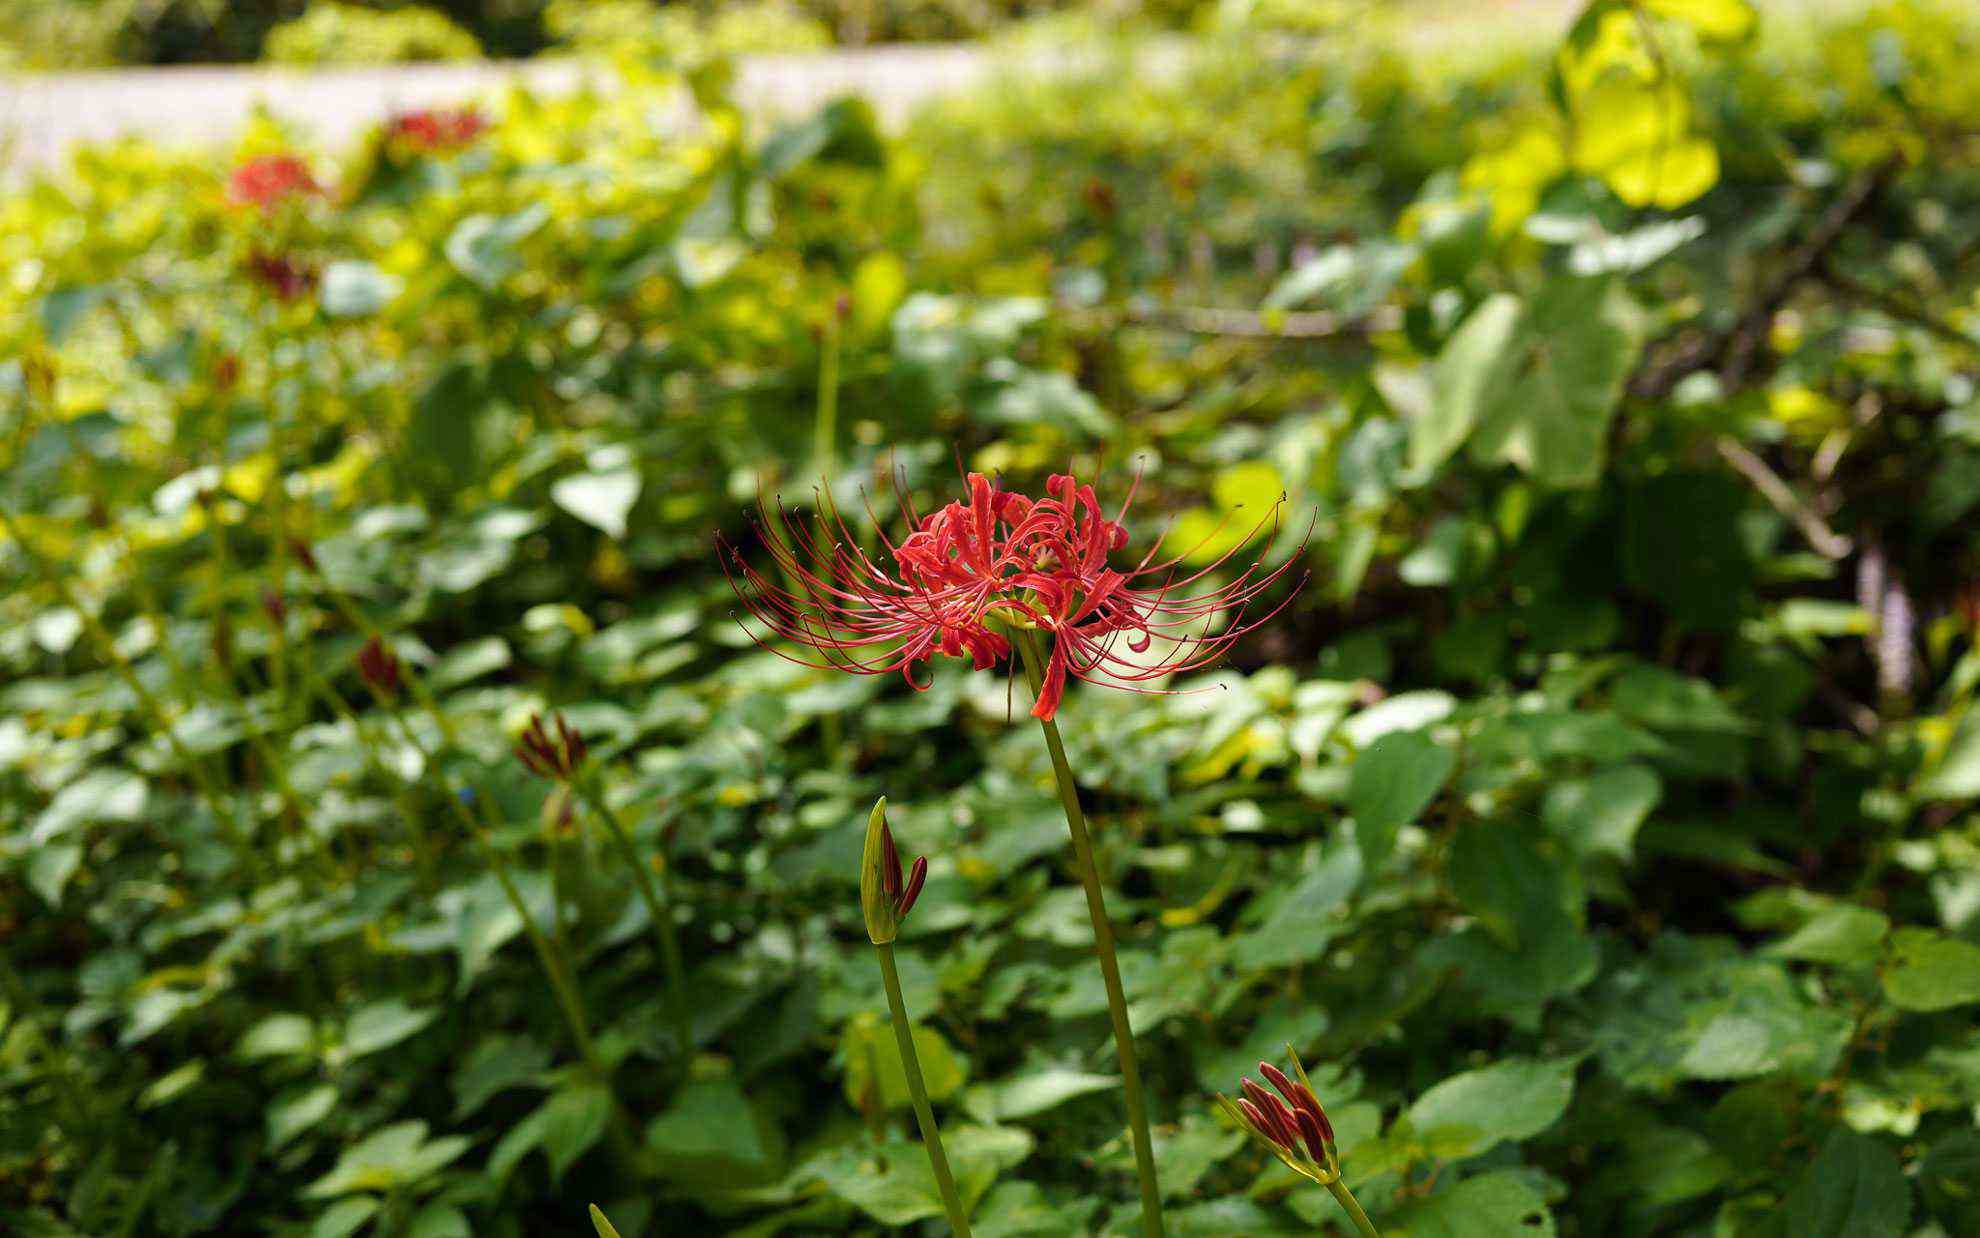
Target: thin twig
{"points": [[1826, 541]]}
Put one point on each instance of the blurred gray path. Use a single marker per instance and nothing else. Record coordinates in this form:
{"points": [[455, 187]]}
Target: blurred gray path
{"points": [[43, 115]]}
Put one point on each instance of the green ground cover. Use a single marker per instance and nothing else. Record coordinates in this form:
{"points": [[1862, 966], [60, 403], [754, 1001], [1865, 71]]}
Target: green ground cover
{"points": [[1596, 823]]}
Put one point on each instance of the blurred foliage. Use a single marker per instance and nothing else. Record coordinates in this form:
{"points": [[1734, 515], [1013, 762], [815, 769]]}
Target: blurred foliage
{"points": [[63, 34], [1598, 823], [333, 33]]}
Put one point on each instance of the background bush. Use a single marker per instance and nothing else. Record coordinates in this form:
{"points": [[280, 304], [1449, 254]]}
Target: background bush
{"points": [[1597, 823]]}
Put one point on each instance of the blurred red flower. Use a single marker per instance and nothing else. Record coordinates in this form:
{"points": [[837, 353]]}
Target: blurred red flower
{"points": [[968, 573], [266, 181], [438, 130]]}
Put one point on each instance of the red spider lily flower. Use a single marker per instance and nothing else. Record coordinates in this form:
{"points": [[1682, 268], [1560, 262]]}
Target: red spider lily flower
{"points": [[966, 574], [379, 666], [554, 758], [437, 130], [886, 895], [287, 278], [266, 181], [1295, 1129]]}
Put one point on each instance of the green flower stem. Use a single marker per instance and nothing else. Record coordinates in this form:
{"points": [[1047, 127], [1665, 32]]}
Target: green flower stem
{"points": [[553, 962], [15, 990], [223, 812], [1348, 1202], [658, 908], [1103, 942], [271, 760], [931, 1138]]}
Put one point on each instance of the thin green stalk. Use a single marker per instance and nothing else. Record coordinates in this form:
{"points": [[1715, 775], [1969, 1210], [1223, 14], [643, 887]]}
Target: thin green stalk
{"points": [[658, 909], [223, 812], [930, 1137], [551, 959], [1346, 1199], [1103, 944]]}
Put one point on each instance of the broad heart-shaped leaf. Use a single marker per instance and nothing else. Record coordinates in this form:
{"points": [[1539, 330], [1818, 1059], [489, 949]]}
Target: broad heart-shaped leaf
{"points": [[1854, 1188], [1930, 971], [874, 1071], [1547, 403], [1515, 1099], [1493, 1205], [1458, 382], [1391, 782], [1637, 137], [601, 500]]}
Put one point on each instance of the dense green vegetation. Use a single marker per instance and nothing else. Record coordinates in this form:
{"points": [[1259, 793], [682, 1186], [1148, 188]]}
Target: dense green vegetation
{"points": [[56, 34], [1597, 823]]}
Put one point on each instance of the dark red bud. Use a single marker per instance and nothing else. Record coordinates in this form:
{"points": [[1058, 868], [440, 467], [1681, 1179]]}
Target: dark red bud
{"points": [[1316, 1134], [1268, 1105], [917, 873], [1257, 1119], [1278, 1079], [272, 602], [890, 861], [304, 555], [378, 666]]}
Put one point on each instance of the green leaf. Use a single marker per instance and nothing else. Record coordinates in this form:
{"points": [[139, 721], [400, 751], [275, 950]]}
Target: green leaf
{"points": [[566, 1127], [497, 1063], [1511, 1100], [1697, 1008], [354, 289], [342, 1219], [1854, 1188], [601, 500], [710, 1121], [1391, 783], [1025, 1095], [396, 1156], [1956, 774], [1600, 814], [1546, 405], [1843, 935], [279, 1035], [381, 1025], [484, 247], [296, 1111], [1459, 382], [102, 795], [872, 1057], [1653, 697], [1491, 1205], [1930, 971], [440, 1220]]}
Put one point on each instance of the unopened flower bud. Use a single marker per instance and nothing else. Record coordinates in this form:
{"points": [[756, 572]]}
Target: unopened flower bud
{"points": [[379, 666], [886, 895], [1294, 1128]]}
